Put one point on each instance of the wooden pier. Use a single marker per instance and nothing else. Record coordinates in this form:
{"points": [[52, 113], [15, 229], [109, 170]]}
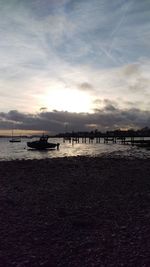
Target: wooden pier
{"points": [[124, 140]]}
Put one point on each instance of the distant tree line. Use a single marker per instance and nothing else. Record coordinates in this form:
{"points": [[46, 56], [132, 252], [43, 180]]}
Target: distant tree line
{"points": [[144, 132]]}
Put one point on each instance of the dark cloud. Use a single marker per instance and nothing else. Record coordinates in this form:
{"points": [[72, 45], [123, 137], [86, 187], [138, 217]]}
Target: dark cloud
{"points": [[86, 87], [13, 116], [110, 108], [106, 105], [106, 118], [43, 109]]}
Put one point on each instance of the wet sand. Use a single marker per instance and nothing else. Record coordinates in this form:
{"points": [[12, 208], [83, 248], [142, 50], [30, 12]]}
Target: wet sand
{"points": [[75, 211]]}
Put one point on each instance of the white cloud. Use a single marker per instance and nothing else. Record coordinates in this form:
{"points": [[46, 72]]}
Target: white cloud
{"points": [[87, 45]]}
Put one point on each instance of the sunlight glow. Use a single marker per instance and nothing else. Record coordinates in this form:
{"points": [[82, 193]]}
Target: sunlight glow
{"points": [[67, 100]]}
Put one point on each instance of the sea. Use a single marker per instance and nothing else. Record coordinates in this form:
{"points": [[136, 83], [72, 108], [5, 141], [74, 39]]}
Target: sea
{"points": [[20, 151]]}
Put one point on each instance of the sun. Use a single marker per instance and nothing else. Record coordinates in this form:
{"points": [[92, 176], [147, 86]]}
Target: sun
{"points": [[67, 100]]}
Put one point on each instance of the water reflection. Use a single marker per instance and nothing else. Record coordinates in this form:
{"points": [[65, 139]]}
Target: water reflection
{"points": [[12, 151]]}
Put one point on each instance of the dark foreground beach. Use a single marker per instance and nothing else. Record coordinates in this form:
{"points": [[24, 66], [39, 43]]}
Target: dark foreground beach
{"points": [[75, 212]]}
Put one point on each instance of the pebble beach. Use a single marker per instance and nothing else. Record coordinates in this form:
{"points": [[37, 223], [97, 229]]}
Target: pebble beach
{"points": [[75, 211]]}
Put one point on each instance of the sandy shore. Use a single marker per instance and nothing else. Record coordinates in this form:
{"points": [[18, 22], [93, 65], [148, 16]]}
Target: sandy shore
{"points": [[75, 212]]}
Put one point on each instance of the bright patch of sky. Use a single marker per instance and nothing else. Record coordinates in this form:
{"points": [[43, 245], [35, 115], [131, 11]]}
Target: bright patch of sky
{"points": [[88, 50]]}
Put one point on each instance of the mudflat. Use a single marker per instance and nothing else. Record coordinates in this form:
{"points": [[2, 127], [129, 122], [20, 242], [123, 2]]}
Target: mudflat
{"points": [[76, 211]]}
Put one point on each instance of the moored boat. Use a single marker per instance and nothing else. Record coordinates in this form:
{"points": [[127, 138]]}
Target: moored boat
{"points": [[43, 143], [15, 140]]}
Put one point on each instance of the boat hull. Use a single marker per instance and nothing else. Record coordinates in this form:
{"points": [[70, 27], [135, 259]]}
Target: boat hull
{"points": [[40, 145], [14, 141]]}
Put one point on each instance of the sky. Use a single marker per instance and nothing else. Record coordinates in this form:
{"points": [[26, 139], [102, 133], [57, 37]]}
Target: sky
{"points": [[74, 64]]}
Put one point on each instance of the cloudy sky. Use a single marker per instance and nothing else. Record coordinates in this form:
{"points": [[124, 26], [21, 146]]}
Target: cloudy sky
{"points": [[80, 64]]}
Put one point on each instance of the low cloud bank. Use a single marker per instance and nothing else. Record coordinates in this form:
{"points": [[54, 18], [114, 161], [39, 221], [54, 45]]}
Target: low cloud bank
{"points": [[107, 118]]}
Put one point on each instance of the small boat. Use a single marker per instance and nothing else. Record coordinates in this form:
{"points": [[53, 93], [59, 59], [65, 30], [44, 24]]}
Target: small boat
{"points": [[42, 143], [15, 140]]}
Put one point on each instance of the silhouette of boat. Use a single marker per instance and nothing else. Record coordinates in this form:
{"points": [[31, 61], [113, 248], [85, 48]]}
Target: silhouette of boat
{"points": [[42, 143], [15, 140]]}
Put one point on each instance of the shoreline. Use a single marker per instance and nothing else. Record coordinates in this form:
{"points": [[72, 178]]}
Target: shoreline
{"points": [[75, 211]]}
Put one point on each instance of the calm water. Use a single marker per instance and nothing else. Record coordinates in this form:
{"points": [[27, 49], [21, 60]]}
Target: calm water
{"points": [[13, 151]]}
